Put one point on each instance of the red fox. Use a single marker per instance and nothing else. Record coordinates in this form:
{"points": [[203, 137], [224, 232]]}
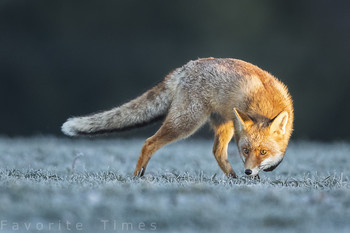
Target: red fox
{"points": [[238, 99]]}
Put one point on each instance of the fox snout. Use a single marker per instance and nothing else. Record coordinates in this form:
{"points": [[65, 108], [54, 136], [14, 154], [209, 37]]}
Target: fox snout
{"points": [[266, 165], [251, 171], [248, 172]]}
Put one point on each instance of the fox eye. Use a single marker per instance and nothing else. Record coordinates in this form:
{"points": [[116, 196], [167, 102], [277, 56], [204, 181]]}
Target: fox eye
{"points": [[263, 152], [245, 151]]}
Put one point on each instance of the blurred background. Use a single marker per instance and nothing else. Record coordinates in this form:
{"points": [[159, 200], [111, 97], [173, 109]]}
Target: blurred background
{"points": [[66, 58]]}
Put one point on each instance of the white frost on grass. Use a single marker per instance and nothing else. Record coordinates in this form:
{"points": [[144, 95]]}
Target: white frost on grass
{"points": [[42, 181]]}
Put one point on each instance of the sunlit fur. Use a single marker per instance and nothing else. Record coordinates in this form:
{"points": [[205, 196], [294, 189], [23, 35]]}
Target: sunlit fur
{"points": [[256, 138], [205, 90]]}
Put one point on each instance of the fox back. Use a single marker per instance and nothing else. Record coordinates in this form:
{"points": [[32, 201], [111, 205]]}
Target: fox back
{"points": [[236, 97]]}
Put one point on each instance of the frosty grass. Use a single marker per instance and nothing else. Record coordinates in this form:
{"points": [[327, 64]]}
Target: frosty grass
{"points": [[50, 184]]}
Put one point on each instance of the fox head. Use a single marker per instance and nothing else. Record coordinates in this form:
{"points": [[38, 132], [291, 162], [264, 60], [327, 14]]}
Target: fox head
{"points": [[261, 142]]}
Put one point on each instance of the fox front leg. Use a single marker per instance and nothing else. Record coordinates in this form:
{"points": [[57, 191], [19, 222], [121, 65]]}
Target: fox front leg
{"points": [[223, 135]]}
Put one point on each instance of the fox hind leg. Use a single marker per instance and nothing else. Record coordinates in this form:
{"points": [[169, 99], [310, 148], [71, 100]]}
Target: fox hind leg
{"points": [[178, 124], [223, 134]]}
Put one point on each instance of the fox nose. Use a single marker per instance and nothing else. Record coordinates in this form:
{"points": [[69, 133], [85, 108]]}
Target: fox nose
{"points": [[248, 172]]}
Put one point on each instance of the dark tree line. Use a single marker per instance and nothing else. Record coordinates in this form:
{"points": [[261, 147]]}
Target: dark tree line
{"points": [[65, 58]]}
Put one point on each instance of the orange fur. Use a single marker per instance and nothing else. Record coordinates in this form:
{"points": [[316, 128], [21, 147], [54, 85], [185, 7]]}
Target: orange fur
{"points": [[238, 98], [223, 135]]}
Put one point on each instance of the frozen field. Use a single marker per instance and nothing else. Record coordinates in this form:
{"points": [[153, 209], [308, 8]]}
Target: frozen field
{"points": [[49, 184]]}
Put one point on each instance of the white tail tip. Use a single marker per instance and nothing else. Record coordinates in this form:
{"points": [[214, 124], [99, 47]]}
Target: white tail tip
{"points": [[69, 127]]}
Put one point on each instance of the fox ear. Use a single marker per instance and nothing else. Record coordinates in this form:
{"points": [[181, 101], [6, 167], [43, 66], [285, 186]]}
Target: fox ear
{"points": [[241, 120], [279, 123]]}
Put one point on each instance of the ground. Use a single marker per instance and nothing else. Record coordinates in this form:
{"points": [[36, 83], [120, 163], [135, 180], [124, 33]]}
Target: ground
{"points": [[51, 184]]}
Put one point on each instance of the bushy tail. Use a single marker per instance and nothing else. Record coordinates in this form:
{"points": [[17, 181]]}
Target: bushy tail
{"points": [[149, 107]]}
